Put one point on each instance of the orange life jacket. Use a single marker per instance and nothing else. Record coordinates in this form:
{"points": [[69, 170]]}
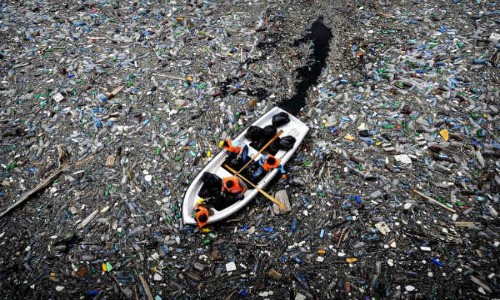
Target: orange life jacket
{"points": [[267, 166], [201, 211], [236, 188], [231, 148]]}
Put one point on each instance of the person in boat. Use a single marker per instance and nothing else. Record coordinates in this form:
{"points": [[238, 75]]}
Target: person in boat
{"points": [[233, 188], [235, 149], [266, 163], [201, 215]]}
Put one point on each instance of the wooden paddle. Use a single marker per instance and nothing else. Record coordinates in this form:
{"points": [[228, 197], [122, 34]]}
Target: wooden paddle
{"points": [[260, 151], [281, 205]]}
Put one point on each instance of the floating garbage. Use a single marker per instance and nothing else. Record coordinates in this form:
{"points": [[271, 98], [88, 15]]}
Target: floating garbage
{"points": [[110, 109]]}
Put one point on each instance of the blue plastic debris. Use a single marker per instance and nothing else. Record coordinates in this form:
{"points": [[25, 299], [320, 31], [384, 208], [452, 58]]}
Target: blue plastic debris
{"points": [[268, 229], [437, 262], [294, 225]]}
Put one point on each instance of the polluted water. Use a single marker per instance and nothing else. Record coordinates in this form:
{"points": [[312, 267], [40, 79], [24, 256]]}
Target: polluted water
{"points": [[110, 109]]}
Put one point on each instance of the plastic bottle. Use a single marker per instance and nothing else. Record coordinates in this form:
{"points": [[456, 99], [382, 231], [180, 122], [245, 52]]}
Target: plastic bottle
{"points": [[378, 267], [294, 225], [136, 231], [437, 262], [375, 194]]}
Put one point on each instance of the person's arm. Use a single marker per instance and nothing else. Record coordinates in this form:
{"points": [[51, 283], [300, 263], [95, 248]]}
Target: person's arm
{"points": [[243, 185], [262, 159], [239, 145], [282, 170]]}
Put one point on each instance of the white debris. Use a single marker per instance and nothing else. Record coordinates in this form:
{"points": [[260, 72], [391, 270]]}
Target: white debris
{"points": [[58, 97], [157, 277], [403, 158], [409, 288], [382, 227], [230, 266]]}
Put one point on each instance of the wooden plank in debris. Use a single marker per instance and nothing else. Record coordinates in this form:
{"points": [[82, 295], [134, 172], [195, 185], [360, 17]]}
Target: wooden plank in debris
{"points": [[146, 288], [115, 91], [433, 201]]}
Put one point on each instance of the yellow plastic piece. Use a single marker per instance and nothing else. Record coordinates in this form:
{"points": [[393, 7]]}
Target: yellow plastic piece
{"points": [[444, 134], [221, 143], [349, 137], [351, 259], [200, 201], [321, 252]]}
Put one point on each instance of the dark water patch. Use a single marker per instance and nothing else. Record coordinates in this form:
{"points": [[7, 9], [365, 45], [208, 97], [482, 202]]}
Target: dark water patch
{"points": [[230, 87], [260, 93], [320, 35], [224, 87], [269, 42]]}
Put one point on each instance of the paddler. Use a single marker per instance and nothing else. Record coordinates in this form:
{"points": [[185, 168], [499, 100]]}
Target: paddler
{"points": [[266, 163], [233, 187], [235, 149], [201, 215]]}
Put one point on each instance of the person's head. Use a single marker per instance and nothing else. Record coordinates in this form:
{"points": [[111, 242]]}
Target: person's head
{"points": [[230, 183], [271, 160], [201, 215], [202, 218]]}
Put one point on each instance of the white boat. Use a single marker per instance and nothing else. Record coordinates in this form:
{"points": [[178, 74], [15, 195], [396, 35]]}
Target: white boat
{"points": [[295, 128]]}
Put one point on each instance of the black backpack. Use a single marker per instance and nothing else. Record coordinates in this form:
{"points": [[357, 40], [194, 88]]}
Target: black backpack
{"points": [[280, 119], [254, 133], [287, 142]]}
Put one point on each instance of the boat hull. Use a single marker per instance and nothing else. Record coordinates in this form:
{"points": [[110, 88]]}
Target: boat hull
{"points": [[295, 128]]}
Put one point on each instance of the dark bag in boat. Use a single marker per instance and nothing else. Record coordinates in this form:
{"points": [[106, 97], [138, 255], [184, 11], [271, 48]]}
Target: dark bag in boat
{"points": [[212, 185], [280, 119], [257, 144], [287, 142], [254, 133], [219, 203], [275, 146], [210, 178], [269, 133]]}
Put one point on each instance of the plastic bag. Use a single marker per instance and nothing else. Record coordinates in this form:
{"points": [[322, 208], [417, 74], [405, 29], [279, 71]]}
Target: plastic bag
{"points": [[212, 185], [254, 133], [269, 133], [280, 119], [287, 142], [275, 146]]}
